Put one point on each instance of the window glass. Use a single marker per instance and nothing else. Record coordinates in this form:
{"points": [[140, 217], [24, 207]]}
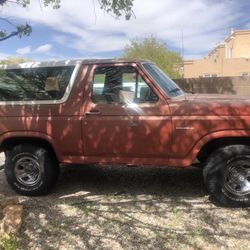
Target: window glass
{"points": [[33, 84], [120, 85], [245, 74], [166, 84], [207, 75]]}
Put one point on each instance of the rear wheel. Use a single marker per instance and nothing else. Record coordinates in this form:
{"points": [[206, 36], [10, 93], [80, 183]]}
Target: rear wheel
{"points": [[31, 170], [227, 175]]}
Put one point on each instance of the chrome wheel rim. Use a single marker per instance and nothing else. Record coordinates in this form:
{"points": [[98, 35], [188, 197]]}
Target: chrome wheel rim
{"points": [[27, 171], [237, 177]]}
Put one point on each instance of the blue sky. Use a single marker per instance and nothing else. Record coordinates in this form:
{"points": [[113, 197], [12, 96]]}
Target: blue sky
{"points": [[77, 31]]}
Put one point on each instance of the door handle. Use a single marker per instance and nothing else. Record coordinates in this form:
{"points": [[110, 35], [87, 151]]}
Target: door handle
{"points": [[93, 112], [133, 124]]}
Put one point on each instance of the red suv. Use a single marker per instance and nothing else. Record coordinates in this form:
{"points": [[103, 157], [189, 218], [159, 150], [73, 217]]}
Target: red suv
{"points": [[118, 112]]}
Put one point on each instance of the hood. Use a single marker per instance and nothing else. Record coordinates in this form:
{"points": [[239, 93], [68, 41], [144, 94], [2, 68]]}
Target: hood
{"points": [[210, 104]]}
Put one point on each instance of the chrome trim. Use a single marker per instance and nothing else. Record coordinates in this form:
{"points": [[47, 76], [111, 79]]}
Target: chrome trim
{"points": [[62, 100], [184, 128]]}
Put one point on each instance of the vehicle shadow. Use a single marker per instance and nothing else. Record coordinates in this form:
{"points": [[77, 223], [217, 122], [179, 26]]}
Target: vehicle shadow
{"points": [[137, 180], [122, 180]]}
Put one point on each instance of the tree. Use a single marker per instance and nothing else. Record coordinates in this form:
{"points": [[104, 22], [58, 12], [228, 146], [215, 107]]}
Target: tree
{"points": [[15, 60], [154, 50], [22, 29], [117, 8]]}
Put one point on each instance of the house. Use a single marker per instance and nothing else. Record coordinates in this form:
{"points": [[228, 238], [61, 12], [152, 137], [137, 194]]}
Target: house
{"points": [[230, 58]]}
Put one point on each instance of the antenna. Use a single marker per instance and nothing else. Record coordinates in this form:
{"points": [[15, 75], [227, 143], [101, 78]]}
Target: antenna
{"points": [[182, 44], [182, 53]]}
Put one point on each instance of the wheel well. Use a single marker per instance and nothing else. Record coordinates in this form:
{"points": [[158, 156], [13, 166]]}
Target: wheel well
{"points": [[213, 145], [11, 142]]}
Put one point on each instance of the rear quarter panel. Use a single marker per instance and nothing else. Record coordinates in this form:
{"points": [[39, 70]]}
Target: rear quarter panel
{"points": [[59, 124]]}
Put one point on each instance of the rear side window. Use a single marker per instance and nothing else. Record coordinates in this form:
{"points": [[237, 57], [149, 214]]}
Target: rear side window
{"points": [[34, 84]]}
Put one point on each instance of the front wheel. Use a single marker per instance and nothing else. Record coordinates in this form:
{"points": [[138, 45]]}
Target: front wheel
{"points": [[227, 176], [31, 170]]}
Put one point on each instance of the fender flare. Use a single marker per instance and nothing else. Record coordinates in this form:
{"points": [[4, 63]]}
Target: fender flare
{"points": [[31, 135], [216, 135]]}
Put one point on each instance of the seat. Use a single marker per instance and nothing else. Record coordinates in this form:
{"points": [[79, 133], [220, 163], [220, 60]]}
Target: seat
{"points": [[126, 96], [52, 87]]}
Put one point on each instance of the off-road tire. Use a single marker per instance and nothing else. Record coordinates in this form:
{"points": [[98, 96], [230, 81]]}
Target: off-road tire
{"points": [[224, 184], [31, 170]]}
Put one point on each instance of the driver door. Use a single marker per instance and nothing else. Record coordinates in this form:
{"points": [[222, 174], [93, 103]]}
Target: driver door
{"points": [[124, 115]]}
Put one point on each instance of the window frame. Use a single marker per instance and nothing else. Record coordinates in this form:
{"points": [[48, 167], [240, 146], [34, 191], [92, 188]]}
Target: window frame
{"points": [[139, 73], [210, 75], [163, 90], [76, 70], [245, 74]]}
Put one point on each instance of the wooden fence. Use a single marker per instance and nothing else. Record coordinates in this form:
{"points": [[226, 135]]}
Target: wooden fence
{"points": [[217, 85]]}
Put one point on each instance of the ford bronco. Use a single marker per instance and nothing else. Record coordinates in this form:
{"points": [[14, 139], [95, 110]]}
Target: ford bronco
{"points": [[118, 112]]}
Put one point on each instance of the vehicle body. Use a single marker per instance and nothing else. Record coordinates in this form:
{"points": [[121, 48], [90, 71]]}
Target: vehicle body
{"points": [[116, 112]]}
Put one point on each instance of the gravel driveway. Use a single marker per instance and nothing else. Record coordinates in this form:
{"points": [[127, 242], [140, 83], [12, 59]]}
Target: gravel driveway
{"points": [[129, 208]]}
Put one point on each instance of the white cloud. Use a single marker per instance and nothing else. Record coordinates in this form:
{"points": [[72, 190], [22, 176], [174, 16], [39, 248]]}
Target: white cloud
{"points": [[60, 39], [24, 51], [4, 56], [43, 48], [203, 22], [39, 50]]}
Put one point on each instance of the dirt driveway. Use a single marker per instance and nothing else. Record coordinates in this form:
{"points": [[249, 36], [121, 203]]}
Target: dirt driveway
{"points": [[129, 208]]}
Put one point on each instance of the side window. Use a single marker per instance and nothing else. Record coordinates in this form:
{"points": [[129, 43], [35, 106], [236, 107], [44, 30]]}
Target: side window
{"points": [[34, 84], [120, 85]]}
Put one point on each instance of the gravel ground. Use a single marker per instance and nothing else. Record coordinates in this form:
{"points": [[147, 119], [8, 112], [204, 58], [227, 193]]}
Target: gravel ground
{"points": [[129, 208]]}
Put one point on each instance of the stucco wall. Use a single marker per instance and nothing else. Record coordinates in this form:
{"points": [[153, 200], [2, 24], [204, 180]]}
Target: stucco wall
{"points": [[220, 67], [231, 58]]}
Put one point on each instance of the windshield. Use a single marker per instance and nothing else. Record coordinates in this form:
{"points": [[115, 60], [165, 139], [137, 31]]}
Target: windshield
{"points": [[167, 84]]}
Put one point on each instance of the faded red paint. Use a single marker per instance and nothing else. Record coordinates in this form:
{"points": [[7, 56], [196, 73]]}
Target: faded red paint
{"points": [[169, 132]]}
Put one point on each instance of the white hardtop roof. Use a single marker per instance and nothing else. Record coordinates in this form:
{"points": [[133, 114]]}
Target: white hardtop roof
{"points": [[44, 64], [41, 64]]}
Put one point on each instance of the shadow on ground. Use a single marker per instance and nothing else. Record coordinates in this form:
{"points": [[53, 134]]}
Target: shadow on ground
{"points": [[131, 180], [130, 208]]}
